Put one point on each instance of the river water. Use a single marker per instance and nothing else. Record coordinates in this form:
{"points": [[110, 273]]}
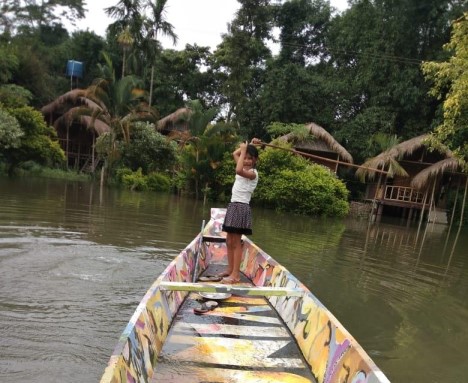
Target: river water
{"points": [[74, 263]]}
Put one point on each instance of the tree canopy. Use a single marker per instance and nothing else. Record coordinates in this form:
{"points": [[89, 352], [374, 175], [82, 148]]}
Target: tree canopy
{"points": [[450, 83], [357, 73]]}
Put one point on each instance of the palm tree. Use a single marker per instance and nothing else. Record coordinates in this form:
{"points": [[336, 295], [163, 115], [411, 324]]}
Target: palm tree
{"points": [[202, 144], [119, 103], [127, 12], [126, 40], [154, 24], [128, 27], [108, 107]]}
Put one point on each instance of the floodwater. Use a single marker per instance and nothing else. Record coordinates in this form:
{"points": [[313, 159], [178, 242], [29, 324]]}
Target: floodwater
{"points": [[74, 263]]}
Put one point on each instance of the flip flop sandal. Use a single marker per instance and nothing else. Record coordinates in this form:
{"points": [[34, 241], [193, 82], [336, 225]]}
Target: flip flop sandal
{"points": [[211, 304], [210, 278], [223, 274], [229, 281], [205, 307]]}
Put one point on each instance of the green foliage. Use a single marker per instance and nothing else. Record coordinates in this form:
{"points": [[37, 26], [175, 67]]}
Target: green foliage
{"points": [[31, 168], [182, 70], [14, 96], [8, 63], [297, 132], [10, 132], [38, 142], [375, 51], [370, 121], [135, 181], [291, 183], [107, 148], [239, 61], [303, 25], [148, 150], [204, 149], [121, 172], [45, 12], [86, 47], [356, 73], [224, 177], [158, 182], [292, 93], [380, 142], [272, 160], [450, 79]]}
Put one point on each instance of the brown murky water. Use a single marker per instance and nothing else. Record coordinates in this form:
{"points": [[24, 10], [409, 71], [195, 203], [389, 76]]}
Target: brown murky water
{"points": [[74, 264]]}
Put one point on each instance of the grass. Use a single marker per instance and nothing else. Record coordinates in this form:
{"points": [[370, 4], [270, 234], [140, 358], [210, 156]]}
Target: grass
{"points": [[31, 169]]}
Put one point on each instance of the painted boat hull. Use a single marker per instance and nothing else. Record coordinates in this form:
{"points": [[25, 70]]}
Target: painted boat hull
{"points": [[329, 350]]}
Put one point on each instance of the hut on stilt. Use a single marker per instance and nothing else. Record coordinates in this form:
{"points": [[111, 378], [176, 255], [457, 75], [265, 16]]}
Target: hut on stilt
{"points": [[77, 132], [416, 182]]}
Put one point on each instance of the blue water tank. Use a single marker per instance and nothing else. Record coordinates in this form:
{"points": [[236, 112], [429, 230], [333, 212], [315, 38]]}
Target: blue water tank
{"points": [[74, 68]]}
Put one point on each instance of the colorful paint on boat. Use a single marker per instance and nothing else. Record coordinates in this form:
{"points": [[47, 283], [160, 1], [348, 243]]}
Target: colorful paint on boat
{"points": [[242, 339], [329, 351]]}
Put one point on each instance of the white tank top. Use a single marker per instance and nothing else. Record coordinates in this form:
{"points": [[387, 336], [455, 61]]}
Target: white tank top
{"points": [[243, 188]]}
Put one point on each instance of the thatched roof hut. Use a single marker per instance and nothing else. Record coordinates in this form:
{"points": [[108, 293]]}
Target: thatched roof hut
{"points": [[323, 143], [62, 103], [413, 166], [433, 172], [175, 122], [62, 113], [388, 159]]}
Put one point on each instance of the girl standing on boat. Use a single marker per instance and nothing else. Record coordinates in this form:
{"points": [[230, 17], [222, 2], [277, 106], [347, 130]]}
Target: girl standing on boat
{"points": [[238, 219]]}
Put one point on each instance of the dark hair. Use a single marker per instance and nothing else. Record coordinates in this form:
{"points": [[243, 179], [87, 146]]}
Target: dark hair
{"points": [[252, 150]]}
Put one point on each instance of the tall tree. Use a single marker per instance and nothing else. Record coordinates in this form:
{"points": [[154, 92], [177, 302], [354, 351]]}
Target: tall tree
{"points": [[184, 75], [127, 31], [296, 82], [376, 48], [241, 57], [450, 83], [303, 25], [125, 40], [84, 46], [34, 13], [204, 147], [155, 24]]}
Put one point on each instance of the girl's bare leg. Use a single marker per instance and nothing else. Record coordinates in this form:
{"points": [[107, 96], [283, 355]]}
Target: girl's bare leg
{"points": [[237, 257], [230, 255]]}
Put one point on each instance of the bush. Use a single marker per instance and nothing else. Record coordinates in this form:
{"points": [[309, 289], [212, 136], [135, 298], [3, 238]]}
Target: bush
{"points": [[120, 173], [138, 181], [291, 183], [135, 181], [10, 131], [148, 150], [38, 142], [158, 182]]}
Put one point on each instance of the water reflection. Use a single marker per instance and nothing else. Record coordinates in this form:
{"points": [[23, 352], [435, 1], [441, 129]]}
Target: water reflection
{"points": [[73, 267], [396, 292]]}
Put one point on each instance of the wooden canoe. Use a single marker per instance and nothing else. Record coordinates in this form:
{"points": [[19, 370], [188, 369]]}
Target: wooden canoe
{"points": [[270, 329]]}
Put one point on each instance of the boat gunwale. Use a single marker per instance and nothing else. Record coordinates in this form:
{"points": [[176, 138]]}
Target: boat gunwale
{"points": [[331, 351]]}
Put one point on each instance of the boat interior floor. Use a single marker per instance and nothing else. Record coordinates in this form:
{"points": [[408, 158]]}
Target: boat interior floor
{"points": [[241, 340]]}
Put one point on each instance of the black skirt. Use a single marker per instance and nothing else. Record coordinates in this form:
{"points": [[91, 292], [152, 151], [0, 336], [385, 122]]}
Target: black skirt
{"points": [[238, 218]]}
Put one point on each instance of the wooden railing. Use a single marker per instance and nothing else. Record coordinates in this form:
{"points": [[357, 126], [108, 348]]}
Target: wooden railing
{"points": [[403, 194]]}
